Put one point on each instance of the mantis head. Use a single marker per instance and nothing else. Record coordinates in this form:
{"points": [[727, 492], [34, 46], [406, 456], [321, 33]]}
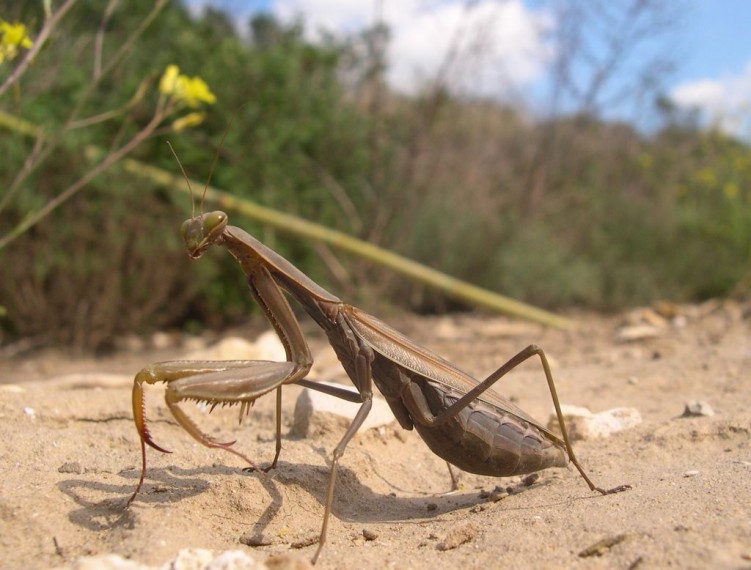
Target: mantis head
{"points": [[203, 231]]}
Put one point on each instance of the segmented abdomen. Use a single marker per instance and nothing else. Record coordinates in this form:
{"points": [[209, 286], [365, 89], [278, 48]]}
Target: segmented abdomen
{"points": [[484, 440]]}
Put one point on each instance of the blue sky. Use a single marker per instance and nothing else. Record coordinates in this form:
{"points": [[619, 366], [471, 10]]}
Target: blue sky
{"points": [[715, 74], [711, 39], [719, 39]]}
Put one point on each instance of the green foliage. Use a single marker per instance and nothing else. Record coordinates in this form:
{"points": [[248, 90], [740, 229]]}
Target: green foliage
{"points": [[570, 211], [98, 274], [289, 128]]}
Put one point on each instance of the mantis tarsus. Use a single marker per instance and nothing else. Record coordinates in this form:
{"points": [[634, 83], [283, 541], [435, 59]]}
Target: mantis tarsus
{"points": [[462, 420]]}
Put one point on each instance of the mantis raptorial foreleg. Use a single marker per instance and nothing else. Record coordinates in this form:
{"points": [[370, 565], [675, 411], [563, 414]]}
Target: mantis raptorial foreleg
{"points": [[232, 382]]}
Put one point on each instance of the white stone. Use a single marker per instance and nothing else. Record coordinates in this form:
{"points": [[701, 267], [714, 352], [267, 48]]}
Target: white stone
{"points": [[81, 380], [583, 424], [698, 408], [190, 559], [270, 347], [235, 560], [186, 559], [637, 332], [104, 562], [266, 347], [316, 408], [161, 340]]}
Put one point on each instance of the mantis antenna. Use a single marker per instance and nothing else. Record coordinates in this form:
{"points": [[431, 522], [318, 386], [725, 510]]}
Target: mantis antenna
{"points": [[211, 170], [216, 158], [192, 200]]}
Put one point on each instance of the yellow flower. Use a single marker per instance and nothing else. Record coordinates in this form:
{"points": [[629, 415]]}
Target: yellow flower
{"points": [[188, 121], [12, 37], [196, 91], [706, 177], [168, 83], [191, 91], [730, 190], [646, 161]]}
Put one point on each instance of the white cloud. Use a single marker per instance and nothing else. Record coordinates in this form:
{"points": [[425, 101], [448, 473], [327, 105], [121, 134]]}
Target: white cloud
{"points": [[703, 93], [330, 15], [482, 48], [725, 103]]}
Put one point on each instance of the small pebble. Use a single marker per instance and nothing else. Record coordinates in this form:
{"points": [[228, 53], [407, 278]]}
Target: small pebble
{"points": [[530, 479], [253, 541], [303, 542], [637, 332], [691, 473], [432, 507], [30, 412], [369, 534], [286, 562], [70, 467], [458, 536], [636, 563], [679, 322], [697, 408], [496, 496], [603, 546]]}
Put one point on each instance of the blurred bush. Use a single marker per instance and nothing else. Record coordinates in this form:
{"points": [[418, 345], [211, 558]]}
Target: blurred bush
{"points": [[572, 211]]}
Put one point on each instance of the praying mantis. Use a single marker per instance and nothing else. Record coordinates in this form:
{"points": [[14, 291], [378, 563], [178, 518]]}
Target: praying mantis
{"points": [[461, 419]]}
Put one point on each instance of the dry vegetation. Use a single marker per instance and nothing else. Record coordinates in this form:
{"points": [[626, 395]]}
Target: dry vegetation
{"points": [[568, 211]]}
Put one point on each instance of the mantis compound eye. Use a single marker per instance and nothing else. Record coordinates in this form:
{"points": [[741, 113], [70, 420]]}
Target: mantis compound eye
{"points": [[202, 231], [184, 229], [214, 220]]}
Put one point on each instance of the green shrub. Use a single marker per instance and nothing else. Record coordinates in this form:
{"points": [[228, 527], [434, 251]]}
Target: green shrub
{"points": [[571, 211]]}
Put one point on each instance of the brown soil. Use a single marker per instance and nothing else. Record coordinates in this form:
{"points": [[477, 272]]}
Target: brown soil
{"points": [[70, 459]]}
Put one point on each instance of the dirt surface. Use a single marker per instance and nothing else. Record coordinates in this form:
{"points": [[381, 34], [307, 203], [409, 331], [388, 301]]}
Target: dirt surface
{"points": [[70, 460]]}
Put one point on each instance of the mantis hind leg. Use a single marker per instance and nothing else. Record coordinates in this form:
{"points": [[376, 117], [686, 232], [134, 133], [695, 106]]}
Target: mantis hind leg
{"points": [[427, 418]]}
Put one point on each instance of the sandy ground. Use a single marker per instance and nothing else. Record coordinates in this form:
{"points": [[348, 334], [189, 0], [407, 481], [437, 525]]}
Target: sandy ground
{"points": [[70, 459]]}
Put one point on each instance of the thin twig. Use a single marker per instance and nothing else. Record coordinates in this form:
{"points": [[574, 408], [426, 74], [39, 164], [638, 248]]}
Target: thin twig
{"points": [[28, 166], [115, 60], [111, 158], [294, 225], [99, 42], [44, 147], [101, 117]]}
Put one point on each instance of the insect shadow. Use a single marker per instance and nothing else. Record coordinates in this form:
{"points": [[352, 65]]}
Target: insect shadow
{"points": [[172, 484], [99, 505]]}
